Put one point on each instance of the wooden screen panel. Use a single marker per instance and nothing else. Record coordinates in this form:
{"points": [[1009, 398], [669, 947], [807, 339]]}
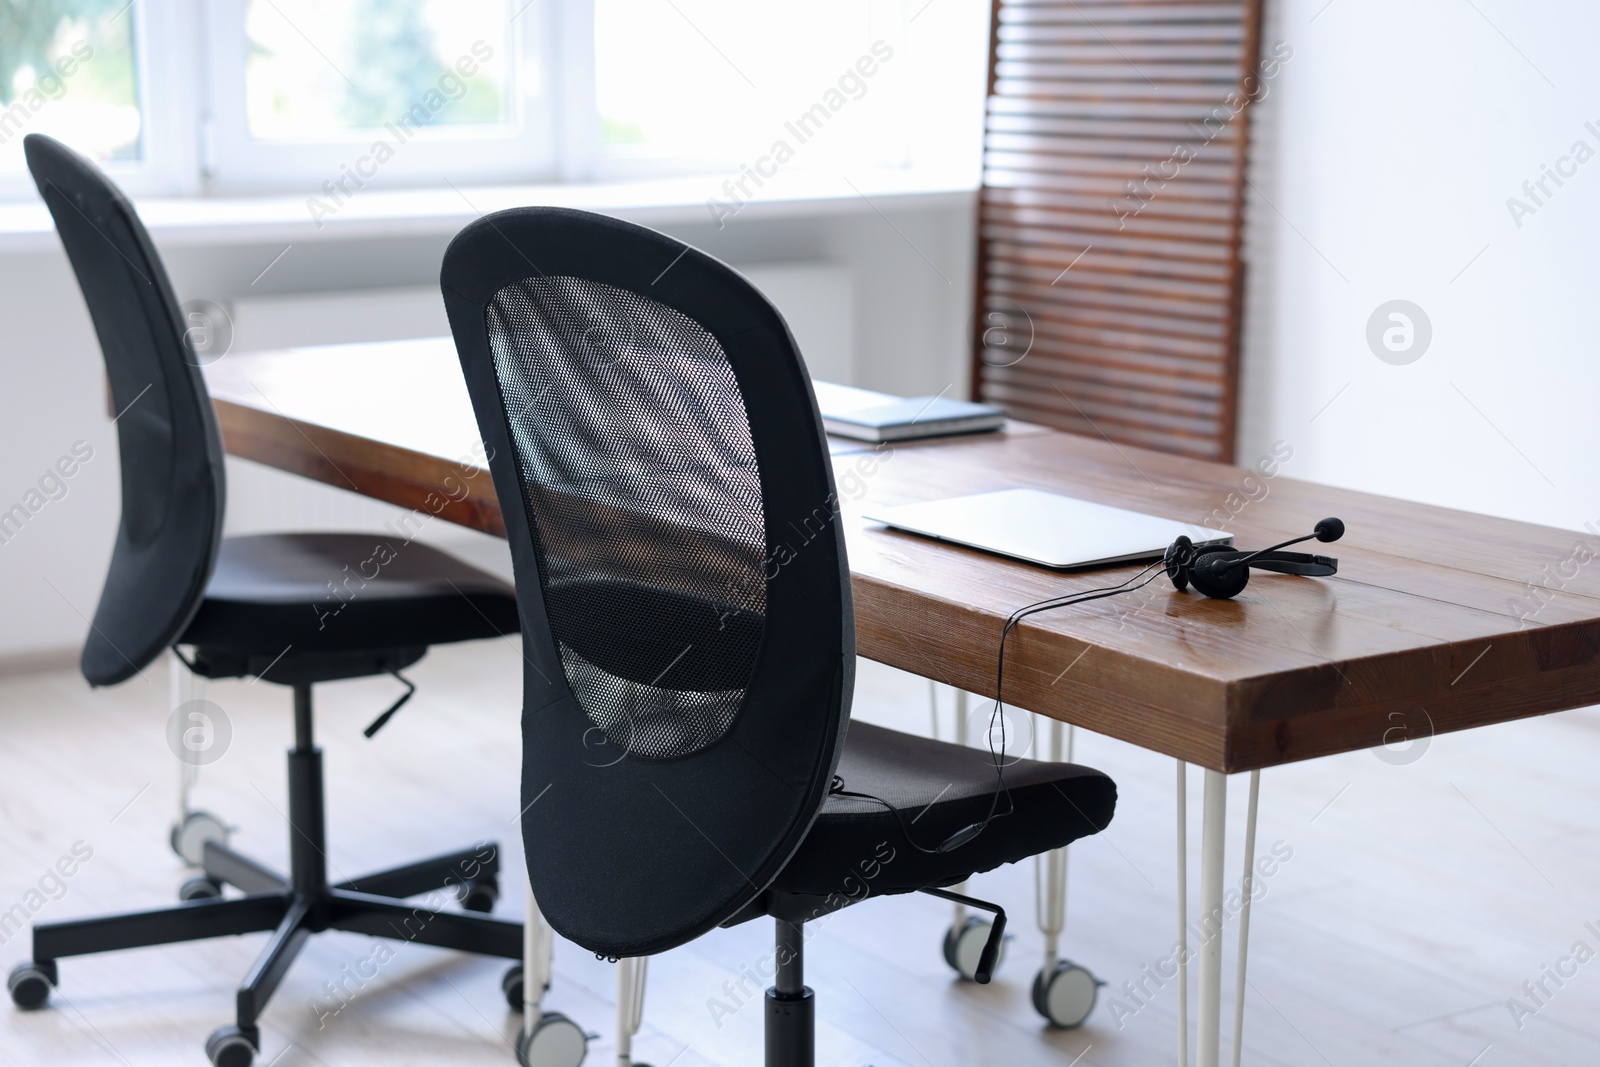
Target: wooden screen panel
{"points": [[1109, 278]]}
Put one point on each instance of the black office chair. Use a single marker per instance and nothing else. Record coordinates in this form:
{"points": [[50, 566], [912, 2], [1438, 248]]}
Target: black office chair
{"points": [[259, 606], [688, 631]]}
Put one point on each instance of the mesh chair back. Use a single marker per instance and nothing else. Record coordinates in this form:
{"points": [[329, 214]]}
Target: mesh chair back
{"points": [[171, 453], [680, 570]]}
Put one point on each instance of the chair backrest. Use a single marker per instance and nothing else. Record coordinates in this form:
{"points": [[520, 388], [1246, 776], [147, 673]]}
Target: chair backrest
{"points": [[171, 453], [680, 570]]}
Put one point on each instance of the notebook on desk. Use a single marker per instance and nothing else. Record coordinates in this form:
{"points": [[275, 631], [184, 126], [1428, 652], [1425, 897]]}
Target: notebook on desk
{"points": [[865, 415], [1062, 532]]}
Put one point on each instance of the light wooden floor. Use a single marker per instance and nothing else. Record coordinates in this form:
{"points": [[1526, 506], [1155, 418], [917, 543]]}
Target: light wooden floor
{"points": [[1419, 898]]}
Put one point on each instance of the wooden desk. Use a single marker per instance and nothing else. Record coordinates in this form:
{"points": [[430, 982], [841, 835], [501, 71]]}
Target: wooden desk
{"points": [[1431, 624], [1419, 625]]}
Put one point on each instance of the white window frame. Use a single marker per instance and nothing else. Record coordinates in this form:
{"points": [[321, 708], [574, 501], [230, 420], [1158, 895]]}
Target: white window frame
{"points": [[190, 61], [523, 149], [576, 115]]}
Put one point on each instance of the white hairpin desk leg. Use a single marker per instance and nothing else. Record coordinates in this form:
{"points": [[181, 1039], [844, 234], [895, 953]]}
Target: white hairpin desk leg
{"points": [[1247, 885], [1208, 1051], [1213, 838], [1183, 914]]}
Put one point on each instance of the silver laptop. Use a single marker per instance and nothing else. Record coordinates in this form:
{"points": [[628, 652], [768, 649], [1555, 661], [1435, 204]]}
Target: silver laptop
{"points": [[1039, 527]]}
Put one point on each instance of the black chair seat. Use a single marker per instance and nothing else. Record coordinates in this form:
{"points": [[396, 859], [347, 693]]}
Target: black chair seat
{"points": [[342, 592], [938, 788]]}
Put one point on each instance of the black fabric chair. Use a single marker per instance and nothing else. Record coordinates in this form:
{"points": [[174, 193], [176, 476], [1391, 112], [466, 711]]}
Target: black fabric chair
{"points": [[295, 609], [687, 624]]}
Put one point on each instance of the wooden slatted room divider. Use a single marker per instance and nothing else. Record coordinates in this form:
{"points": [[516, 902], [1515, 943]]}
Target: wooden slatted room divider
{"points": [[1109, 277]]}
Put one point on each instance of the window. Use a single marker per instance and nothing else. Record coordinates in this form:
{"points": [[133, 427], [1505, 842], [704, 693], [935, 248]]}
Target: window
{"points": [[69, 69], [346, 92], [294, 90], [692, 81], [326, 97]]}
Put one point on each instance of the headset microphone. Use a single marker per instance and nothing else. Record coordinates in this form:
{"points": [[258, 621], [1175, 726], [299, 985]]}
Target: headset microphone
{"points": [[1327, 530]]}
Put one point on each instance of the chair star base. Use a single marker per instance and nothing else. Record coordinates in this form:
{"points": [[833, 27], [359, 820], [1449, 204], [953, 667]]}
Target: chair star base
{"points": [[292, 907]]}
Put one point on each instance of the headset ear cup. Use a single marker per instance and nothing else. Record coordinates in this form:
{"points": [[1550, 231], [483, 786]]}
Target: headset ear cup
{"points": [[1218, 585], [1180, 554]]}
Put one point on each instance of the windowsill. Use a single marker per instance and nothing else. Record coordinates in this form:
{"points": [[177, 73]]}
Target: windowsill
{"points": [[198, 221]]}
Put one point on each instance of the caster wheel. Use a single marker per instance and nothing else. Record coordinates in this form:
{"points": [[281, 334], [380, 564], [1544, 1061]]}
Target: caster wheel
{"points": [[1066, 995], [189, 837], [229, 1046], [556, 1041], [511, 986], [202, 888], [481, 895], [30, 983], [963, 947]]}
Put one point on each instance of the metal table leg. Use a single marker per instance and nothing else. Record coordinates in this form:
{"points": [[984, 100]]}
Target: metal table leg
{"points": [[1248, 885], [1213, 839], [1183, 914], [1212, 919]]}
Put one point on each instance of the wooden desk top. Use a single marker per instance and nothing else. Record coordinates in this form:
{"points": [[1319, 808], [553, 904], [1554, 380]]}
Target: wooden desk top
{"points": [[1431, 624]]}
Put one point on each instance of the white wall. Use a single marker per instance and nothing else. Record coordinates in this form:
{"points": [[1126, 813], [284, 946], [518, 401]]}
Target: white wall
{"points": [[906, 280], [1384, 157]]}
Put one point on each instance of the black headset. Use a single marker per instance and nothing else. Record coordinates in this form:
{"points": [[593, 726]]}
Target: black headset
{"points": [[1221, 572]]}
